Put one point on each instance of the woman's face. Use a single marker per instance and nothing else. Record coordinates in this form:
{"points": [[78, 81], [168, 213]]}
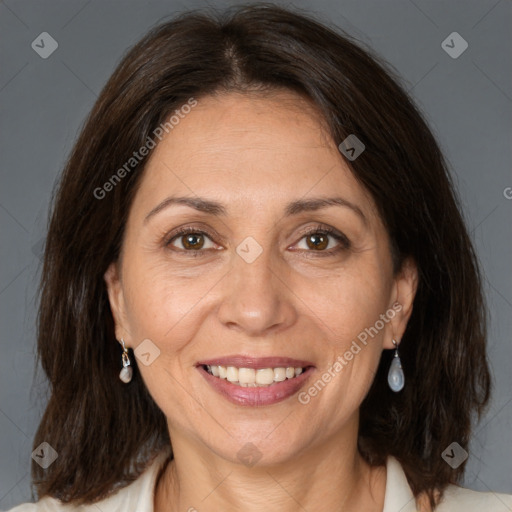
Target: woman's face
{"points": [[248, 282]]}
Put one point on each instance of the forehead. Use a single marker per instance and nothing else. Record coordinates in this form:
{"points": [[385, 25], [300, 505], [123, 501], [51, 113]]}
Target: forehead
{"points": [[250, 149]]}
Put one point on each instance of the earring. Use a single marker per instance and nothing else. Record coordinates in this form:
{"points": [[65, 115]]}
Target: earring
{"points": [[126, 373], [396, 377]]}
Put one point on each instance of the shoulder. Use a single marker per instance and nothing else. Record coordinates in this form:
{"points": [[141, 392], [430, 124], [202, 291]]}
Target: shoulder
{"points": [[138, 496], [399, 496], [460, 499]]}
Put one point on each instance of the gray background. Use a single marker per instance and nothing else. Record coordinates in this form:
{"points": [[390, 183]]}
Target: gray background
{"points": [[467, 101]]}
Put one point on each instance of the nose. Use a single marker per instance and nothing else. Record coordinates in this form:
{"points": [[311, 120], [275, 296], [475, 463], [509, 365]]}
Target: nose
{"points": [[257, 299]]}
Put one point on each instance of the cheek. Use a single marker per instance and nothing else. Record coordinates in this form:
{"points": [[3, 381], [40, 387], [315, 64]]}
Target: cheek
{"points": [[348, 301], [169, 310], [350, 308], [163, 309], [158, 301]]}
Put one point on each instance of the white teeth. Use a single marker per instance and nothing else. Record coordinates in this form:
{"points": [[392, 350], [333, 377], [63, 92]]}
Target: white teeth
{"points": [[279, 374], [232, 374], [265, 376], [249, 377]]}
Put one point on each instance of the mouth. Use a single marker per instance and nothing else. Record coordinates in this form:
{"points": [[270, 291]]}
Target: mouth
{"points": [[249, 377], [255, 382]]}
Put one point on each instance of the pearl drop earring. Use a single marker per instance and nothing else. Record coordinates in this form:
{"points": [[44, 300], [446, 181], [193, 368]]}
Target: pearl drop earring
{"points": [[396, 378], [127, 372]]}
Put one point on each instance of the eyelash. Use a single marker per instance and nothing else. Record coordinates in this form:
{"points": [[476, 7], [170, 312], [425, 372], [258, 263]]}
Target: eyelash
{"points": [[344, 242]]}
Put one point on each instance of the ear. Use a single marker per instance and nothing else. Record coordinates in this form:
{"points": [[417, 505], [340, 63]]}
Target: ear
{"points": [[406, 284], [112, 278]]}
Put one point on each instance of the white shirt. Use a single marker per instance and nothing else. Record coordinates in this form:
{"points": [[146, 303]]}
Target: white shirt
{"points": [[139, 496]]}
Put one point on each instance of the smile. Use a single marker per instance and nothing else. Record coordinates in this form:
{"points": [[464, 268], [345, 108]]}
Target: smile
{"points": [[249, 377], [255, 381]]}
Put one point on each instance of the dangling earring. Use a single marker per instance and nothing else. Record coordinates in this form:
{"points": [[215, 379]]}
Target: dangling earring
{"points": [[126, 373], [396, 377]]}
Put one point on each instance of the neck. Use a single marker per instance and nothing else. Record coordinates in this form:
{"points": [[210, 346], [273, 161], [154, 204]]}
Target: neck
{"points": [[329, 477]]}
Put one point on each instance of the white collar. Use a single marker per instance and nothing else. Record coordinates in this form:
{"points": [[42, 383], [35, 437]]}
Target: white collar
{"points": [[140, 494], [399, 496]]}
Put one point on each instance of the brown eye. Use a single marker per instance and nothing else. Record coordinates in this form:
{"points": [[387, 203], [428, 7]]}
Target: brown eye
{"points": [[317, 241], [190, 240]]}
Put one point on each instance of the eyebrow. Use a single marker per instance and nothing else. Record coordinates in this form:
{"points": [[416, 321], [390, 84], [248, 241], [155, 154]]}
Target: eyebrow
{"points": [[294, 208]]}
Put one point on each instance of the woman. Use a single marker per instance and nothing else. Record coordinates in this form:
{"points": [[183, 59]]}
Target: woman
{"points": [[256, 256]]}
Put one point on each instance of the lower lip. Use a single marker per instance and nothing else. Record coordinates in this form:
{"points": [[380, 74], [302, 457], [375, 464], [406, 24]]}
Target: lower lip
{"points": [[256, 396]]}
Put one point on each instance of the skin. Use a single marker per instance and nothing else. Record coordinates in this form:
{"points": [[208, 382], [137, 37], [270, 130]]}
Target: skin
{"points": [[255, 153]]}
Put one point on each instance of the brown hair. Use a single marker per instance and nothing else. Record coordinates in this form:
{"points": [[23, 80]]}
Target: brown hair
{"points": [[106, 432]]}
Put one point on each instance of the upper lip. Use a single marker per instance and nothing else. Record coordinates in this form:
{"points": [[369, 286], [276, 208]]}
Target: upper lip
{"points": [[241, 361]]}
